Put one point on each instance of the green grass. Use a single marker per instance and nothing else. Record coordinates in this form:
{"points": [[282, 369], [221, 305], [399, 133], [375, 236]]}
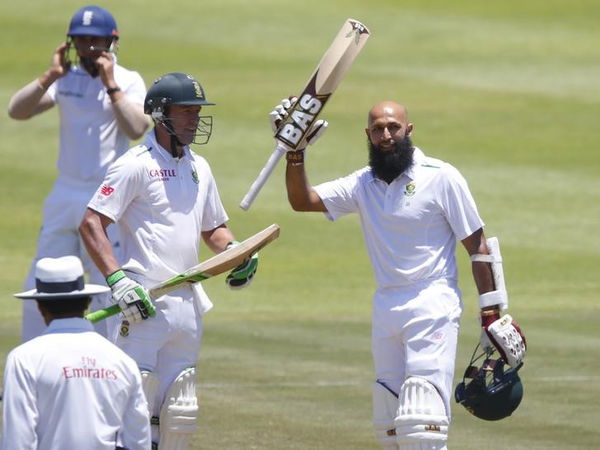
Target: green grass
{"points": [[506, 91]]}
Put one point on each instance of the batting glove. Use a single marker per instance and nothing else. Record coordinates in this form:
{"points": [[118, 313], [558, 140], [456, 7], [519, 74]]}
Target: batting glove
{"points": [[131, 297], [504, 334], [242, 275], [279, 114]]}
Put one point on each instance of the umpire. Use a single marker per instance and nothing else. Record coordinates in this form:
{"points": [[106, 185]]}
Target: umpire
{"points": [[70, 387]]}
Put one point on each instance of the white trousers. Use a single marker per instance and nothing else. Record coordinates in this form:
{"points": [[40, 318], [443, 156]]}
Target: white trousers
{"points": [[167, 343], [414, 333], [59, 236]]}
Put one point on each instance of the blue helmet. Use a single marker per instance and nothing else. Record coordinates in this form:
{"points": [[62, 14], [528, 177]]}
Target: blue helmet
{"points": [[93, 21]]}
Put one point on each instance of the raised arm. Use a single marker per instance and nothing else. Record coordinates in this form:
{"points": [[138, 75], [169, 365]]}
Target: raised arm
{"points": [[32, 99], [301, 195], [130, 116]]}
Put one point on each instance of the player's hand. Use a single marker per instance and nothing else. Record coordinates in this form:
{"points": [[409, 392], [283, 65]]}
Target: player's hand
{"points": [[131, 297], [242, 275], [279, 114], [106, 64], [59, 64], [505, 335]]}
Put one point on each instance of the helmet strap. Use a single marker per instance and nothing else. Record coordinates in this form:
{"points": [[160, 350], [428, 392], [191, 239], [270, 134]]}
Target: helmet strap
{"points": [[174, 142]]}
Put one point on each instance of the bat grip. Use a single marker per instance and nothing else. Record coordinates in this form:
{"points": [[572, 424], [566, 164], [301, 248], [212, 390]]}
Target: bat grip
{"points": [[101, 314], [262, 178]]}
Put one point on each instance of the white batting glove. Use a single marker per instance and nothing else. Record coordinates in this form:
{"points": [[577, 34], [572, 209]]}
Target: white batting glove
{"points": [[131, 297], [279, 114], [504, 334]]}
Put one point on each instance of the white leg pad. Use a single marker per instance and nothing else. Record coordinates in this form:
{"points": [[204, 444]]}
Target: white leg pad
{"points": [[422, 422], [385, 408], [150, 385], [179, 413]]}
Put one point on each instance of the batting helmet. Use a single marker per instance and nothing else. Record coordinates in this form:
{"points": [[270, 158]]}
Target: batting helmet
{"points": [[178, 88], [174, 89], [492, 392], [93, 21]]}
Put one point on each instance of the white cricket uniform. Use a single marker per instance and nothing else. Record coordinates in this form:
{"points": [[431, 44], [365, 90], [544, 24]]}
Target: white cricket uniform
{"points": [[162, 204], [410, 228], [90, 140], [72, 388]]}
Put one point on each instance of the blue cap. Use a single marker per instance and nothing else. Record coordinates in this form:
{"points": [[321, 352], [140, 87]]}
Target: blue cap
{"points": [[93, 21]]}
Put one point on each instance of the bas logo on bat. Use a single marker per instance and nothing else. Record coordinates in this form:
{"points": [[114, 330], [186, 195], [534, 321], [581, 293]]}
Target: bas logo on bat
{"points": [[301, 118]]}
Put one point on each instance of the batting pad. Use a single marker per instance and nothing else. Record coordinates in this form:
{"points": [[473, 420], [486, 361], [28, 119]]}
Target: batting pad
{"points": [[179, 413], [385, 408], [422, 422]]}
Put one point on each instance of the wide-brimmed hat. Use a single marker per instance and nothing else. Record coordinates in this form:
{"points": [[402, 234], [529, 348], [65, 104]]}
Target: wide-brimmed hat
{"points": [[60, 278]]}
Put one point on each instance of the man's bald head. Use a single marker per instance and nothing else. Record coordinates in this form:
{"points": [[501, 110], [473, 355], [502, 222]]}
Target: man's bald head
{"points": [[388, 108]]}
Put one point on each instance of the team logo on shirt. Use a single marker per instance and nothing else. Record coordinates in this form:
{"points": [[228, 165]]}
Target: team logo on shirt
{"points": [[107, 190], [410, 188], [195, 176]]}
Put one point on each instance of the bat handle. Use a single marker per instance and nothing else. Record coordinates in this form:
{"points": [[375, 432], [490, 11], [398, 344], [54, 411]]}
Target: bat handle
{"points": [[262, 178], [101, 314]]}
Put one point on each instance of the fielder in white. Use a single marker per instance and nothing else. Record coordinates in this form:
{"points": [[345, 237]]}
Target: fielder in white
{"points": [[412, 209], [101, 108], [166, 201], [70, 387]]}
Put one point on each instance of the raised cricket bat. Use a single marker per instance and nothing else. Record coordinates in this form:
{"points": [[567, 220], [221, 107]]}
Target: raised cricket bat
{"points": [[222, 262], [323, 82]]}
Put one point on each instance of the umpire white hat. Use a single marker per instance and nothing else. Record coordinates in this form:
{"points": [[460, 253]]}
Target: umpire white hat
{"points": [[60, 278]]}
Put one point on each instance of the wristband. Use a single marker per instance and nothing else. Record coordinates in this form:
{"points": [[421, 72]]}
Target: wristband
{"points": [[295, 158], [111, 91], [114, 277], [489, 316]]}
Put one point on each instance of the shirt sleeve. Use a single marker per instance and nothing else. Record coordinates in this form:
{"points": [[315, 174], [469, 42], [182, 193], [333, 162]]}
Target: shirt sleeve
{"points": [[458, 204], [120, 186], [135, 434], [136, 90], [51, 91], [339, 196], [20, 414]]}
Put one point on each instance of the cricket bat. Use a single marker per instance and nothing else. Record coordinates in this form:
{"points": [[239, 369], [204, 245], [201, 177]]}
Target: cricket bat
{"points": [[322, 84], [222, 262]]}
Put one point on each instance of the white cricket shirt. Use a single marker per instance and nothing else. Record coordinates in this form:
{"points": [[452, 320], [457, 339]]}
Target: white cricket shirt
{"points": [[162, 205], [90, 138], [71, 388], [411, 225]]}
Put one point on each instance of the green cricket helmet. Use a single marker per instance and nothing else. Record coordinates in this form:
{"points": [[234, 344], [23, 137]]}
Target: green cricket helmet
{"points": [[177, 88], [491, 391]]}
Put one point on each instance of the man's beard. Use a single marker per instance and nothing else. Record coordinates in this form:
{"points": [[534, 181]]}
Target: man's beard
{"points": [[388, 164], [90, 66]]}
